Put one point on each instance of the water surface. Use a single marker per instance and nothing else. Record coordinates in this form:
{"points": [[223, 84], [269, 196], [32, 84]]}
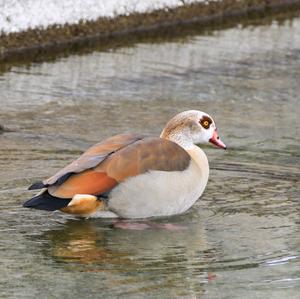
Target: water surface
{"points": [[241, 240]]}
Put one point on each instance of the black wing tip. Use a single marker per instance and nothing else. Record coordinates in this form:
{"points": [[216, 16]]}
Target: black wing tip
{"points": [[37, 185], [27, 204], [47, 202]]}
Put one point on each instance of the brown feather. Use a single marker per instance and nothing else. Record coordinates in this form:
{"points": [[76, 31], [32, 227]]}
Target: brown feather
{"points": [[87, 182], [93, 156], [126, 156], [84, 206], [144, 155]]}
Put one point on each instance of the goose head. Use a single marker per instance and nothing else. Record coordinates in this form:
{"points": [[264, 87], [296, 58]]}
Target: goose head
{"points": [[191, 128]]}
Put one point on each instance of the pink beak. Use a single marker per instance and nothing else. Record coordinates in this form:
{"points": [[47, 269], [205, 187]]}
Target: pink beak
{"points": [[215, 139]]}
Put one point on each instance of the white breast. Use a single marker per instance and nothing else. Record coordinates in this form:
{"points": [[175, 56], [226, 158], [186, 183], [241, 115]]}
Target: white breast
{"points": [[161, 193]]}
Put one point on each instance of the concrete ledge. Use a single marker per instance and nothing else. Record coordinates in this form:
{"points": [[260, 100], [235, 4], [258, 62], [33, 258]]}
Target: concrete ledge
{"points": [[36, 43]]}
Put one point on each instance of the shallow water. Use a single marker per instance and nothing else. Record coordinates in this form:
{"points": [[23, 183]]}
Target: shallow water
{"points": [[241, 240]]}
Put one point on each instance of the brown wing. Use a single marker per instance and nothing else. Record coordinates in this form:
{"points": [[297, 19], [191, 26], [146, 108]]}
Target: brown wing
{"points": [[93, 156], [144, 155], [133, 159]]}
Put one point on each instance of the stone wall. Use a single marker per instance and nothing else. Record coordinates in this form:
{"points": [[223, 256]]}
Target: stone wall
{"points": [[31, 28]]}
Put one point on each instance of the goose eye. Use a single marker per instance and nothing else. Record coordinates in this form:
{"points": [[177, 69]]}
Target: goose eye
{"points": [[205, 122]]}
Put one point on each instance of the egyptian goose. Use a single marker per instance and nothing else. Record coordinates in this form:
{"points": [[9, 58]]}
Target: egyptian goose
{"points": [[132, 176]]}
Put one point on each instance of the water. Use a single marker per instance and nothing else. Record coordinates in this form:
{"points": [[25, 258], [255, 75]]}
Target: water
{"points": [[241, 240]]}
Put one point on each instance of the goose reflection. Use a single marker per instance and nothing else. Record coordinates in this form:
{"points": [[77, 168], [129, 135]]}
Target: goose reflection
{"points": [[176, 258], [93, 241]]}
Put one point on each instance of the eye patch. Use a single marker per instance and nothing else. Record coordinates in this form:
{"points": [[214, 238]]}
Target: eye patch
{"points": [[205, 122]]}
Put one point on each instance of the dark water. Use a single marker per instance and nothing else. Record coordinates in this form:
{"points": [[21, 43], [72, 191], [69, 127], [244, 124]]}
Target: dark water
{"points": [[241, 240]]}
